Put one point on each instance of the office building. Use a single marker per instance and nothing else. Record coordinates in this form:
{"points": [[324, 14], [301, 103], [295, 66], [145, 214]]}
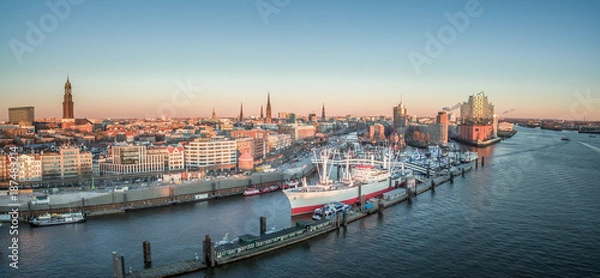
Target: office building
{"points": [[23, 116], [211, 153]]}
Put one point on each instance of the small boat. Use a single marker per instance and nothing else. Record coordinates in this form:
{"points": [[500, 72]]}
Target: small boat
{"points": [[48, 219], [592, 136], [265, 189], [251, 191], [565, 139], [339, 207], [324, 212], [330, 210]]}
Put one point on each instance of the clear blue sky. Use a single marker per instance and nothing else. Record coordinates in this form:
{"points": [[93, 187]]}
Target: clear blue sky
{"points": [[124, 58]]}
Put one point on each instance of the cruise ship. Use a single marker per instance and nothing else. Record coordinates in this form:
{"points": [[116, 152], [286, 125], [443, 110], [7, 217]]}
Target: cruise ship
{"points": [[366, 179]]}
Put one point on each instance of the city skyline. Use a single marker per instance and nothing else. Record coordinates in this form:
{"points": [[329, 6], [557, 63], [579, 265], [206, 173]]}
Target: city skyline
{"points": [[534, 59]]}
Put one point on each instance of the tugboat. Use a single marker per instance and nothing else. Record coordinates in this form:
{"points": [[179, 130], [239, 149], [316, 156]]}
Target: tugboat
{"points": [[48, 219]]}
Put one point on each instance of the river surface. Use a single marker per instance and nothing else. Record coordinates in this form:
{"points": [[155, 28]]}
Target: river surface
{"points": [[533, 210]]}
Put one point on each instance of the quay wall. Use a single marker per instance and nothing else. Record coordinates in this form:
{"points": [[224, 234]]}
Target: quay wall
{"points": [[148, 197]]}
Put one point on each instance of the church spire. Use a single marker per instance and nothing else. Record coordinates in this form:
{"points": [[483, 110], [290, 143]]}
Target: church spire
{"points": [[268, 119], [241, 112], [67, 104], [214, 114]]}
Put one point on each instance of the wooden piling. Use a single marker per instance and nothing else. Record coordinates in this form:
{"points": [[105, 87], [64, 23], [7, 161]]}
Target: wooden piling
{"points": [[209, 258], [147, 254], [451, 178], [263, 225], [345, 219], [83, 206], [380, 207], [118, 265], [29, 216], [482, 161], [463, 172]]}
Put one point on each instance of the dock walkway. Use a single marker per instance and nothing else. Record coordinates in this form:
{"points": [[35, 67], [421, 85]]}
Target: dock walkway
{"points": [[169, 270]]}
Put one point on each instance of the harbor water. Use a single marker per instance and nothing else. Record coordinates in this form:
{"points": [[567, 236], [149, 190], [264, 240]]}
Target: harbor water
{"points": [[531, 211]]}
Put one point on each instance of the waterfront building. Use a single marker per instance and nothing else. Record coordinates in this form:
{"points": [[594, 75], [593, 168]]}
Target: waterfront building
{"points": [[439, 130], [67, 162], [298, 132], [400, 119], [377, 132], [173, 157], [22, 116], [478, 110], [244, 145], [278, 142], [128, 159], [478, 122], [4, 167], [213, 153], [259, 140], [246, 162], [30, 168]]}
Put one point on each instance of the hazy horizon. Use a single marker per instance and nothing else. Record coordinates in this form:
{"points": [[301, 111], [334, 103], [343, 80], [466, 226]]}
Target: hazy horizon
{"points": [[537, 59]]}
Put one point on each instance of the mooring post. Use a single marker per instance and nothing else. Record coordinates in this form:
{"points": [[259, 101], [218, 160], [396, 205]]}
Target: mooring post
{"points": [[263, 225], [482, 161], [452, 177], [345, 219], [432, 183], [29, 210], [337, 220], [83, 206], [147, 254], [463, 172], [380, 207], [476, 163], [209, 258], [118, 265]]}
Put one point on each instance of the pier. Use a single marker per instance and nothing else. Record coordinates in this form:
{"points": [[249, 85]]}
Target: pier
{"points": [[254, 245]]}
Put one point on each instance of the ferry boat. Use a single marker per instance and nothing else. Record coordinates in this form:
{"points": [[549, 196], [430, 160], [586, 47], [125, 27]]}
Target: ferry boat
{"points": [[269, 189], [371, 181], [251, 191], [48, 219]]}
